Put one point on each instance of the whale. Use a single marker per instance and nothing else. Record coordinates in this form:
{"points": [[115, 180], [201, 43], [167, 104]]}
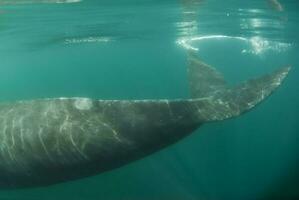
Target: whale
{"points": [[54, 140]]}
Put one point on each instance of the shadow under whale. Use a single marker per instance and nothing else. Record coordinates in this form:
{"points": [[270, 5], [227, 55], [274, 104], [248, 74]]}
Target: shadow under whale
{"points": [[49, 141]]}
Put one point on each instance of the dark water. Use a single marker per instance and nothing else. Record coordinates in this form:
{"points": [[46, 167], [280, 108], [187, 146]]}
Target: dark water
{"points": [[130, 49]]}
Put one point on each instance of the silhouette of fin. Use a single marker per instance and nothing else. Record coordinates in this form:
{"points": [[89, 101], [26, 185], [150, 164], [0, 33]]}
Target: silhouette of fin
{"points": [[204, 80], [214, 100], [252, 92]]}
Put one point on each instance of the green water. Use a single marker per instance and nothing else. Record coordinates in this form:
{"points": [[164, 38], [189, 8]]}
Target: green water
{"points": [[130, 49]]}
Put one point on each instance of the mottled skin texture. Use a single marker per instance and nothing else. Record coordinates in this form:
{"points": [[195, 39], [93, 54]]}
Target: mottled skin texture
{"points": [[48, 141]]}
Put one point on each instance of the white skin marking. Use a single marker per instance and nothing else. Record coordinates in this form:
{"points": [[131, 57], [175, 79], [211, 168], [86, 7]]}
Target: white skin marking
{"points": [[10, 111], [12, 133], [42, 142], [77, 148], [21, 131], [168, 106], [67, 126], [199, 111], [5, 142], [115, 134], [63, 126], [83, 103], [5, 132]]}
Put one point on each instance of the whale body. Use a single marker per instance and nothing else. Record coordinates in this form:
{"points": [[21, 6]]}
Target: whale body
{"points": [[48, 141]]}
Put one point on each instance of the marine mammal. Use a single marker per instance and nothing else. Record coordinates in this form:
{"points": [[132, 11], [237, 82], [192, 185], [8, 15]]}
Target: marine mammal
{"points": [[48, 141]]}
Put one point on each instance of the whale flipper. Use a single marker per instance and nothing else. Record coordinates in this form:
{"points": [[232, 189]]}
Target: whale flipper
{"points": [[204, 80], [248, 94], [222, 101], [48, 141]]}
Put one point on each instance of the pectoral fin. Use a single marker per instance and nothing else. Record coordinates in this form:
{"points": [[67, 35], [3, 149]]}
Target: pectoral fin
{"points": [[204, 80], [215, 100]]}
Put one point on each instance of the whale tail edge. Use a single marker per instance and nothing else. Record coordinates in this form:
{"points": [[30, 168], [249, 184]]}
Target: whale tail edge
{"points": [[222, 101]]}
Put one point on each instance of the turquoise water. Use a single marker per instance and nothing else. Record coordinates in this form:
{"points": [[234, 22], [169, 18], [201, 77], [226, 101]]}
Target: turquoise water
{"points": [[130, 49]]}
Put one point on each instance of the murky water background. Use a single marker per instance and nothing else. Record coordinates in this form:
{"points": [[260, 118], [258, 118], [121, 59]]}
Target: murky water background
{"points": [[130, 49]]}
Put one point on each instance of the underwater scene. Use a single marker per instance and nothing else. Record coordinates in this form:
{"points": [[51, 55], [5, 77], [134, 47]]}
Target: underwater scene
{"points": [[148, 99]]}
